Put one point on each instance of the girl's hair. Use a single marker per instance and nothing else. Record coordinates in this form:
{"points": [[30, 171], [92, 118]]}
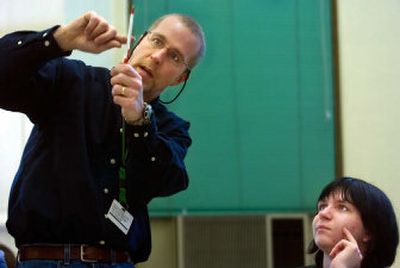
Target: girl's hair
{"points": [[377, 215]]}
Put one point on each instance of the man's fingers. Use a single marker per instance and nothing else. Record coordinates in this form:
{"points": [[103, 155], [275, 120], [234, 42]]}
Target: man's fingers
{"points": [[101, 31], [121, 70], [122, 38], [103, 34], [123, 91], [92, 21], [111, 44], [96, 26]]}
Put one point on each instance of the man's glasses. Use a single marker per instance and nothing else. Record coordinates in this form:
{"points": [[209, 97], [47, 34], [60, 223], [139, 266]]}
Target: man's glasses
{"points": [[157, 41]]}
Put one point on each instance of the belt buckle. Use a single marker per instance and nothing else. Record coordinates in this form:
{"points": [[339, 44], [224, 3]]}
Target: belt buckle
{"points": [[82, 255]]}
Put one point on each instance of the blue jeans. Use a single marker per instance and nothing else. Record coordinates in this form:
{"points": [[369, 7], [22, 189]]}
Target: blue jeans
{"points": [[73, 264], [2, 260]]}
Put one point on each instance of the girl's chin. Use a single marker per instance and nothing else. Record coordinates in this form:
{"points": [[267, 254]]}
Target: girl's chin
{"points": [[326, 245]]}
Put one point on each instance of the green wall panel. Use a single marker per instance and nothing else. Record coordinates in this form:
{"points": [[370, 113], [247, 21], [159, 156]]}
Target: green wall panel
{"points": [[260, 104]]}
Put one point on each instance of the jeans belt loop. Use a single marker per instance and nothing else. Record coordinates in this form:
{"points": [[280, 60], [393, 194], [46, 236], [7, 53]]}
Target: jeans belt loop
{"points": [[113, 257], [67, 254]]}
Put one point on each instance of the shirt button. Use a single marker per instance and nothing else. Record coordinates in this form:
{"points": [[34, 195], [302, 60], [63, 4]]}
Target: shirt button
{"points": [[102, 242], [105, 190], [46, 43], [121, 130], [136, 135], [153, 159], [113, 161], [146, 134], [19, 42]]}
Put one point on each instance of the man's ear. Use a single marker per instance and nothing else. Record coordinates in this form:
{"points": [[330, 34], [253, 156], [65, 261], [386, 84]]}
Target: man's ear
{"points": [[182, 78]]}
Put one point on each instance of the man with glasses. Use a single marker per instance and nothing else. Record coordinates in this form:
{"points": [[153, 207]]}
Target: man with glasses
{"points": [[102, 146]]}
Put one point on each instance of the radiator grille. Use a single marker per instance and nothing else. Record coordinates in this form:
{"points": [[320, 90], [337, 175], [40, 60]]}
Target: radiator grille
{"points": [[218, 242]]}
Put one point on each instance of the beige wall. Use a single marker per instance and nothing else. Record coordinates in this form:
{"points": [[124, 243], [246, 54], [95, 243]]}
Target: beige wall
{"points": [[369, 59]]}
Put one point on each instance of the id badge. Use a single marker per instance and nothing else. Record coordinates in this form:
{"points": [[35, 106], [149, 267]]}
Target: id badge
{"points": [[120, 216]]}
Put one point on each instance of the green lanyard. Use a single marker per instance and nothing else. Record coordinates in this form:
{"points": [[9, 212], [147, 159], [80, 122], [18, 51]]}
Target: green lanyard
{"points": [[122, 170]]}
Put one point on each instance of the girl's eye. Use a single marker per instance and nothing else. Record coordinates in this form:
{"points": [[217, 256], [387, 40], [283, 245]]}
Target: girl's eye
{"points": [[321, 207], [343, 208]]}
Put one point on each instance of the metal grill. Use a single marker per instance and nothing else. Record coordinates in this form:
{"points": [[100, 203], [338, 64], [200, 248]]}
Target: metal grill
{"points": [[228, 241]]}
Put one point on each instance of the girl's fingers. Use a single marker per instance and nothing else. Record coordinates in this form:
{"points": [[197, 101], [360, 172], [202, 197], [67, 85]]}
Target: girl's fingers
{"points": [[349, 236], [338, 248]]}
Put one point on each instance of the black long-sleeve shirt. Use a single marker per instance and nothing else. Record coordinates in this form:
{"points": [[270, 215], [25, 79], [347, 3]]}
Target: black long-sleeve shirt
{"points": [[68, 175]]}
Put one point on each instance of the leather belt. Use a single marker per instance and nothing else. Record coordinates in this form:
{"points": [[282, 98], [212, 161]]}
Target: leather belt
{"points": [[84, 253]]}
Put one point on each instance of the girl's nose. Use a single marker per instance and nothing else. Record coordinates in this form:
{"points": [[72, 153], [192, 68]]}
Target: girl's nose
{"points": [[325, 212]]}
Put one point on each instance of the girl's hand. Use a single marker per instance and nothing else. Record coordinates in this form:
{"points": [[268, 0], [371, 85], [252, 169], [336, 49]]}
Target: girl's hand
{"points": [[346, 253]]}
